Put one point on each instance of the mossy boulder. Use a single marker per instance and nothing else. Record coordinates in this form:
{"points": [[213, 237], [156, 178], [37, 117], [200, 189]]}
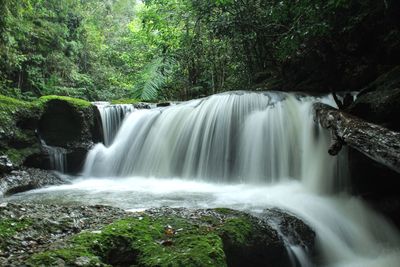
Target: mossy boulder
{"points": [[71, 124], [65, 121], [176, 237]]}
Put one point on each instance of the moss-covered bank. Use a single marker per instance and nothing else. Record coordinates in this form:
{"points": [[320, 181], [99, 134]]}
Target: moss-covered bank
{"points": [[174, 237], [60, 121], [18, 121]]}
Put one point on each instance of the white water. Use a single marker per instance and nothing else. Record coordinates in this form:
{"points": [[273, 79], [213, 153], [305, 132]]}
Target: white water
{"points": [[112, 117], [244, 151], [249, 137]]}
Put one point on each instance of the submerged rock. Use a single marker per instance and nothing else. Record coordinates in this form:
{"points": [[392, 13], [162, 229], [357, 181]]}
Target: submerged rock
{"points": [[158, 237]]}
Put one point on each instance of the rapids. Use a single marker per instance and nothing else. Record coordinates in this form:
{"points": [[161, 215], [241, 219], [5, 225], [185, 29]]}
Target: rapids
{"points": [[247, 151]]}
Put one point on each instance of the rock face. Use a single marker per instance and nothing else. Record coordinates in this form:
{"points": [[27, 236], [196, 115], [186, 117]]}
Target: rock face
{"points": [[6, 165], [71, 124], [379, 102], [156, 237]]}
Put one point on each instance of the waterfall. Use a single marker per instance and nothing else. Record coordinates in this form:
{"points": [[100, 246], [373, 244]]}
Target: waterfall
{"points": [[247, 151], [111, 118], [230, 137], [57, 157]]}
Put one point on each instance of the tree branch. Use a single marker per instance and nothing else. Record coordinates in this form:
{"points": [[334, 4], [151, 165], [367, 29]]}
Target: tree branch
{"points": [[376, 142]]}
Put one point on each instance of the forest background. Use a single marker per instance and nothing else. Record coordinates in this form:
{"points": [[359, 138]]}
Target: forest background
{"points": [[183, 49]]}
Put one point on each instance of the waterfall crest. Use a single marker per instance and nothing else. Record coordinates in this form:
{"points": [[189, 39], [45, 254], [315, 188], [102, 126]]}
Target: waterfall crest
{"points": [[230, 137], [112, 117]]}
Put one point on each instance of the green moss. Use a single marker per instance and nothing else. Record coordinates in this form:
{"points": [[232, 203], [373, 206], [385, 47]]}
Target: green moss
{"points": [[237, 229], [5, 100], [9, 108], [225, 211], [125, 101], [162, 241], [68, 255], [143, 242], [16, 142], [80, 103], [10, 227], [17, 156]]}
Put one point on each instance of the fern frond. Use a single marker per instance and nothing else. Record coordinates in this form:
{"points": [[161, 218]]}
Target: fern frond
{"points": [[152, 78]]}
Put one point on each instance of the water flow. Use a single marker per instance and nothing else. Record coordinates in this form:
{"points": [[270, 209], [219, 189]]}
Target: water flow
{"points": [[112, 117], [245, 151], [57, 157], [246, 137]]}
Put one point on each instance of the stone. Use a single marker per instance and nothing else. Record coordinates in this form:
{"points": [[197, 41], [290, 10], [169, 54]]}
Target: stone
{"points": [[379, 106], [6, 165], [204, 237]]}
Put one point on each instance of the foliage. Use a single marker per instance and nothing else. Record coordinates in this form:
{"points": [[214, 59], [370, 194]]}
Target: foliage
{"points": [[15, 142], [181, 49]]}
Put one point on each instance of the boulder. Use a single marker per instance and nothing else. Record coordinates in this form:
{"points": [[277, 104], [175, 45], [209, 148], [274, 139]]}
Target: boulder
{"points": [[71, 124], [380, 107], [27, 179], [5, 165], [183, 237]]}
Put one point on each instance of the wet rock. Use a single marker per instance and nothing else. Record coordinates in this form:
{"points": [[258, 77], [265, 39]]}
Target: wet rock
{"points": [[248, 240], [163, 104], [82, 261], [380, 107], [296, 231], [46, 234], [27, 179], [29, 228], [142, 105], [5, 165], [378, 102]]}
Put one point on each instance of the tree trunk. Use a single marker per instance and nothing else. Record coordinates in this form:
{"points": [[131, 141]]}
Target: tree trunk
{"points": [[374, 141]]}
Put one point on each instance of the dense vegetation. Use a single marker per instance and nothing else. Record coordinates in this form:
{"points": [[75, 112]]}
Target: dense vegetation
{"points": [[180, 49]]}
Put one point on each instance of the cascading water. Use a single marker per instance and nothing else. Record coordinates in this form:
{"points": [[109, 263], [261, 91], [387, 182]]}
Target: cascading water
{"points": [[244, 137], [247, 151], [57, 157], [112, 117]]}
